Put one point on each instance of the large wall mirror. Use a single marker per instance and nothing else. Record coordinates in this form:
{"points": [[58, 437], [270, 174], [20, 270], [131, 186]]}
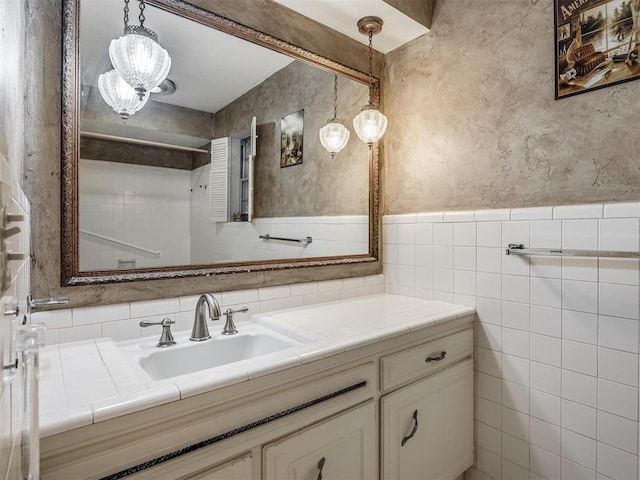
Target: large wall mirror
{"points": [[222, 170]]}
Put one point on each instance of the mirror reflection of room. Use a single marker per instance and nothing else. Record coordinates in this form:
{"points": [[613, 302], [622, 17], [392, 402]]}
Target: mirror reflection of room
{"points": [[195, 176]]}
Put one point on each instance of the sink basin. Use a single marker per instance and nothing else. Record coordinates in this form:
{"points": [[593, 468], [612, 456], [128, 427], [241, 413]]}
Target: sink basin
{"points": [[188, 357]]}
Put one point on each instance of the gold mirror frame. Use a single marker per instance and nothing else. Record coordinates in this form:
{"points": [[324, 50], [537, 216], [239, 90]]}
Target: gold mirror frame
{"points": [[70, 251]]}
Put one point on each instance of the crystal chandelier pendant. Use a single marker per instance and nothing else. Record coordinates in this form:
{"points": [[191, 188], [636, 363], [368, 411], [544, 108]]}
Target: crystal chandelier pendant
{"points": [[137, 55], [119, 95], [370, 124], [334, 136]]}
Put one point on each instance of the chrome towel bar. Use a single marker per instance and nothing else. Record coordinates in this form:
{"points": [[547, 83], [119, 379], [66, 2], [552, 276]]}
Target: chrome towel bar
{"points": [[519, 249], [284, 239]]}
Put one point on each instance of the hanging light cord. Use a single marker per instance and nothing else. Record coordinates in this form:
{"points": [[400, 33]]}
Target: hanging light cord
{"points": [[126, 15], [370, 66], [335, 97], [141, 16]]}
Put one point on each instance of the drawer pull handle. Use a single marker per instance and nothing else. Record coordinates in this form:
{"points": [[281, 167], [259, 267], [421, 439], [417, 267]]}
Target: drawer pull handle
{"points": [[436, 359], [413, 430], [320, 467]]}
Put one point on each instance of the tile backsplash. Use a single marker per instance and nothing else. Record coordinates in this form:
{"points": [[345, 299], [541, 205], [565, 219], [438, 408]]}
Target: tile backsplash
{"points": [[557, 337], [120, 321]]}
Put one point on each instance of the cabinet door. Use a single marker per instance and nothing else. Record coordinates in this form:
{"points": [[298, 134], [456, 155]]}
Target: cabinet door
{"points": [[340, 448], [427, 427], [194, 467]]}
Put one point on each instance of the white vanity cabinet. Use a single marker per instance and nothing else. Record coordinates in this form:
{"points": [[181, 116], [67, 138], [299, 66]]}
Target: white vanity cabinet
{"points": [[341, 417], [427, 427], [342, 447]]}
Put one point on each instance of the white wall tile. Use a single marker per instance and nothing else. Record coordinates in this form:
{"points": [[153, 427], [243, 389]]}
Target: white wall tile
{"points": [[515, 423], [578, 211], [492, 215], [546, 321], [515, 396], [515, 450], [616, 463], [585, 269], [515, 369], [545, 435], [464, 234], [580, 296], [443, 234], [579, 449], [546, 349], [423, 255], [488, 412], [464, 258], [546, 378], [579, 418], [489, 259], [515, 342], [620, 234], [618, 333], [511, 471], [545, 463], [545, 406], [580, 357], [458, 216], [620, 210], [430, 217], [488, 437], [515, 264], [424, 234], [619, 270], [489, 362], [489, 463], [546, 234], [580, 234], [515, 232], [515, 315], [490, 336], [489, 234], [489, 285], [572, 471], [443, 279], [618, 300], [547, 267], [489, 310], [618, 432], [99, 314], [618, 399], [489, 387], [546, 292], [532, 213], [618, 366], [580, 326], [515, 288], [579, 388], [443, 256]]}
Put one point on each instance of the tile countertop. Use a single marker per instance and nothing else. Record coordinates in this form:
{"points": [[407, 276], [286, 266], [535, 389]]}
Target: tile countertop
{"points": [[91, 381]]}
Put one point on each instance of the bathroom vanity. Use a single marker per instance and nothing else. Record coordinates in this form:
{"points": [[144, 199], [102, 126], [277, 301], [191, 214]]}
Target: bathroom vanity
{"points": [[376, 387]]}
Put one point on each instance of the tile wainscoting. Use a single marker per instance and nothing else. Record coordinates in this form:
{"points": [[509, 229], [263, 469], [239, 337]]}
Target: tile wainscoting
{"points": [[120, 321], [557, 338]]}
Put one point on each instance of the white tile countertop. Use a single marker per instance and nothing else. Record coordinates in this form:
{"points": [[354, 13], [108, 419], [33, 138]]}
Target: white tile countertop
{"points": [[92, 381]]}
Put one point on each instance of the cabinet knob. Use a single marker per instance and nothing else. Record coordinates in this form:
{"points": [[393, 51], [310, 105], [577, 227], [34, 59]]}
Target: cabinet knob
{"points": [[413, 430]]}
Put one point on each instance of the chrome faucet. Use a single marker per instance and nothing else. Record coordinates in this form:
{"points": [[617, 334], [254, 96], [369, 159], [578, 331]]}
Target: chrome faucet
{"points": [[207, 304], [166, 339], [229, 326]]}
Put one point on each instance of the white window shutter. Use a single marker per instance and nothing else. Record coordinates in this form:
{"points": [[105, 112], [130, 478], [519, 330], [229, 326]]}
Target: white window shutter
{"points": [[219, 180]]}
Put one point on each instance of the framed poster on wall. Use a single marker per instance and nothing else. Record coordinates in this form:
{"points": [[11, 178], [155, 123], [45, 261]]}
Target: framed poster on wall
{"points": [[596, 44]]}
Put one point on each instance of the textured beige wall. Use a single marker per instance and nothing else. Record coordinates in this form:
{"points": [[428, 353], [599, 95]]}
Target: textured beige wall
{"points": [[319, 185], [42, 67], [473, 122]]}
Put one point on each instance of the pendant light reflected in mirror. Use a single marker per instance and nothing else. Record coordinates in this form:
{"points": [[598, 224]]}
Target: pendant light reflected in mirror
{"points": [[370, 124], [137, 55], [334, 135], [119, 95]]}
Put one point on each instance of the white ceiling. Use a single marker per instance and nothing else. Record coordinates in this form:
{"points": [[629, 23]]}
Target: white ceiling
{"points": [[209, 68], [343, 16]]}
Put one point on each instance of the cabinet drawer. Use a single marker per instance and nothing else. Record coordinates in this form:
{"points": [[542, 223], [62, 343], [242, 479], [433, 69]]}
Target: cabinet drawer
{"points": [[403, 367]]}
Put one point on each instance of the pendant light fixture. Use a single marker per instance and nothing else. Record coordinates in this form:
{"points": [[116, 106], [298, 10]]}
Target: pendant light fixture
{"points": [[334, 135], [137, 55], [119, 95], [370, 124]]}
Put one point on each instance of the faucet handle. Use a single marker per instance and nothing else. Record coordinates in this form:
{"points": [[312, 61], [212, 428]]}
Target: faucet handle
{"points": [[166, 338], [229, 326]]}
